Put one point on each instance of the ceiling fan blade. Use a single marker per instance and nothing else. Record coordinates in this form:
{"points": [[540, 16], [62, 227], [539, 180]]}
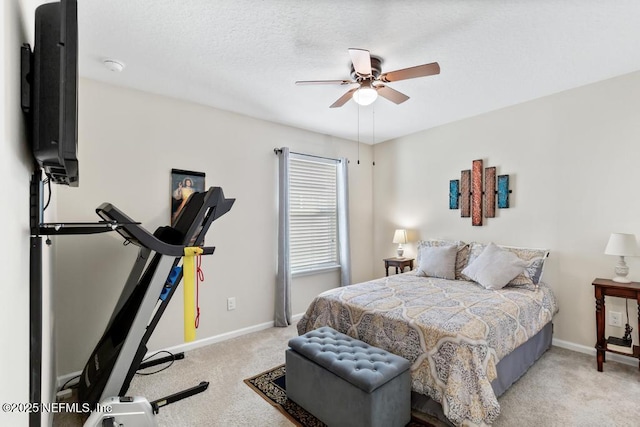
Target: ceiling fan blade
{"points": [[391, 94], [344, 98], [411, 73], [325, 82], [361, 60]]}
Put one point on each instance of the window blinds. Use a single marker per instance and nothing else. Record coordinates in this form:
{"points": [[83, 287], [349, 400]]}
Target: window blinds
{"points": [[313, 214]]}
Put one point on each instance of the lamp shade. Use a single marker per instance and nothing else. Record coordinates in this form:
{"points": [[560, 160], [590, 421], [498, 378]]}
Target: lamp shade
{"points": [[400, 236], [622, 244], [366, 94]]}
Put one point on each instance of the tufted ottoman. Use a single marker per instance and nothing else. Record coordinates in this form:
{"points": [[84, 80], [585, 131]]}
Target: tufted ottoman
{"points": [[346, 382]]}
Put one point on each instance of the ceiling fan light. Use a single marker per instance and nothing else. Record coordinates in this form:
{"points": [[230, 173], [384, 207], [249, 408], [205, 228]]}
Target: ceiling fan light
{"points": [[365, 95]]}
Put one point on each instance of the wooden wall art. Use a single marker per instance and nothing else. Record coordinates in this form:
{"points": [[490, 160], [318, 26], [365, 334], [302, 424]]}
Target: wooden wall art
{"points": [[465, 194], [469, 195], [490, 192], [476, 193]]}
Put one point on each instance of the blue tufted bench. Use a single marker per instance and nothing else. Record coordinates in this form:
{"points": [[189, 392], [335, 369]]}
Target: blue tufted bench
{"points": [[346, 382]]}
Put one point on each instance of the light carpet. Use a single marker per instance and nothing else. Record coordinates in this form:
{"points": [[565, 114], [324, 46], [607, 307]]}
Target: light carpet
{"points": [[562, 389]]}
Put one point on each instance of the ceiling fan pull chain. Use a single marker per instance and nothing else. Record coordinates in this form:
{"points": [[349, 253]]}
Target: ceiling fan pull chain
{"points": [[373, 162], [358, 133], [373, 125]]}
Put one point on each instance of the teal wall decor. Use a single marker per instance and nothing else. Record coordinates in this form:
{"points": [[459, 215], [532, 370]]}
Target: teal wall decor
{"points": [[503, 191], [454, 193]]}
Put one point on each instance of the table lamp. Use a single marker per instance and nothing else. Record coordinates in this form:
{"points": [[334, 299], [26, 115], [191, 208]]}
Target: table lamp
{"points": [[400, 237], [622, 245]]}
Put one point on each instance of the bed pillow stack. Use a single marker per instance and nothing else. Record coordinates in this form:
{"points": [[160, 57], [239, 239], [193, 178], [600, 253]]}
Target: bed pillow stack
{"points": [[533, 257], [495, 267], [436, 263]]}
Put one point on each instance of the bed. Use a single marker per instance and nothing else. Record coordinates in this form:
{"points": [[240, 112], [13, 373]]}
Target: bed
{"points": [[466, 343]]}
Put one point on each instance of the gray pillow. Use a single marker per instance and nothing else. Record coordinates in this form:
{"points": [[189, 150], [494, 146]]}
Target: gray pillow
{"points": [[495, 267], [438, 261], [461, 257]]}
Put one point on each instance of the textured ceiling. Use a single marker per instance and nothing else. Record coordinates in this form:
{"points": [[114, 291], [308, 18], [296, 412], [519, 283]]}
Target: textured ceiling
{"points": [[244, 56]]}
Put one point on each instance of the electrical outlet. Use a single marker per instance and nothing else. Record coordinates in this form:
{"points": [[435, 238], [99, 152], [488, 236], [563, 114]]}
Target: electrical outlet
{"points": [[615, 318], [231, 304]]}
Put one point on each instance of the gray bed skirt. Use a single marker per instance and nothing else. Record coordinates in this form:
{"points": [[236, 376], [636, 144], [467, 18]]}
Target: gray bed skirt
{"points": [[509, 369]]}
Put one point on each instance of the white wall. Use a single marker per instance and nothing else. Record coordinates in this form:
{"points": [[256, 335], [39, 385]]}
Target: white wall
{"points": [[128, 143], [15, 173], [573, 162]]}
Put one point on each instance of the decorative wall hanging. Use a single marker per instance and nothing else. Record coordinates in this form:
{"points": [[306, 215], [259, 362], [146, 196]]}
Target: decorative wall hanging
{"points": [[468, 193], [490, 192], [503, 191], [454, 190], [476, 193], [183, 184], [465, 191]]}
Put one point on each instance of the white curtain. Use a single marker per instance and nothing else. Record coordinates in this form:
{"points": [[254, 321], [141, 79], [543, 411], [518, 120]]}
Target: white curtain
{"points": [[343, 223], [283, 279]]}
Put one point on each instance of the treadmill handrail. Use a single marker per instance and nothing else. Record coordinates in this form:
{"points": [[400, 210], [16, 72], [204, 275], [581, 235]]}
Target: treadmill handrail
{"points": [[138, 235], [77, 228]]}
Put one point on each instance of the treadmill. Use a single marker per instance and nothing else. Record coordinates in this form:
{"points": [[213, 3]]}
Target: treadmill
{"points": [[151, 283]]}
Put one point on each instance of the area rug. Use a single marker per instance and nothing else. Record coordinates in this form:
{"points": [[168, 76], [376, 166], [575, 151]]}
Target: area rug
{"points": [[271, 386]]}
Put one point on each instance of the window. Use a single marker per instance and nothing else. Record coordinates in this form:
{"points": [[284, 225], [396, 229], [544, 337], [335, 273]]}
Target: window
{"points": [[313, 210]]}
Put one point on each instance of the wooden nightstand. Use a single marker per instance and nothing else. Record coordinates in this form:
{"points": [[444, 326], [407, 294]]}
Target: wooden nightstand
{"points": [[398, 263], [604, 287]]}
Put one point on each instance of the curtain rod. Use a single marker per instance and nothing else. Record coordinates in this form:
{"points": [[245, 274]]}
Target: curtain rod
{"points": [[279, 150]]}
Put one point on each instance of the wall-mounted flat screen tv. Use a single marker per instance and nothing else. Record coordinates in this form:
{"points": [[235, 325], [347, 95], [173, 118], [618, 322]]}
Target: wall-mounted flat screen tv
{"points": [[53, 87]]}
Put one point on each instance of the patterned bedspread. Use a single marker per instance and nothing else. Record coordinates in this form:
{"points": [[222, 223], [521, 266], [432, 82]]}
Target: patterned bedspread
{"points": [[452, 331]]}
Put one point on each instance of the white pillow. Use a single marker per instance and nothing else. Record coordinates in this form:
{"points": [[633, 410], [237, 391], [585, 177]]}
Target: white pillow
{"points": [[495, 267], [532, 274], [438, 261]]}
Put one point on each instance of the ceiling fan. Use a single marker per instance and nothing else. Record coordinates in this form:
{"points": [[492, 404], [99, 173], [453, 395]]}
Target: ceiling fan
{"points": [[366, 73]]}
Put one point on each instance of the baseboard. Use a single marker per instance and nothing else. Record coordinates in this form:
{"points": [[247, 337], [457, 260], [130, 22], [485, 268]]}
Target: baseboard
{"points": [[196, 344], [223, 337], [266, 325], [627, 360]]}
